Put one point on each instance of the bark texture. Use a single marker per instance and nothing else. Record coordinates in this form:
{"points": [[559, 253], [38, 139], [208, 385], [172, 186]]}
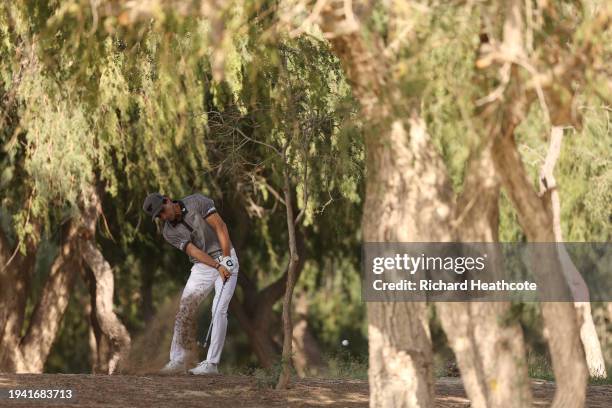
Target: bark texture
{"points": [[561, 328], [489, 347], [29, 353], [400, 163]]}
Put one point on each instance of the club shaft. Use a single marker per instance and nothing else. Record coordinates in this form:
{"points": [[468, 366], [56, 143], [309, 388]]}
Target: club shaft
{"points": [[213, 316]]}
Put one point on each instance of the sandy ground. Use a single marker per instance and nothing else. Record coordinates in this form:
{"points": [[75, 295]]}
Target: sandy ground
{"points": [[236, 391]]}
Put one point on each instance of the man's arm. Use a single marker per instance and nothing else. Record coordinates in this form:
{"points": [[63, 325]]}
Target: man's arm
{"points": [[203, 257], [218, 225]]}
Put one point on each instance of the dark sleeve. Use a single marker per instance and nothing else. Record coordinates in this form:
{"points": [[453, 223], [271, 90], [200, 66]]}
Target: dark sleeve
{"points": [[205, 205], [176, 238]]}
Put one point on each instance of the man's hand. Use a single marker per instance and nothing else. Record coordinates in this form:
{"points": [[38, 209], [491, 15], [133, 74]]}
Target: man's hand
{"points": [[206, 259], [224, 272]]}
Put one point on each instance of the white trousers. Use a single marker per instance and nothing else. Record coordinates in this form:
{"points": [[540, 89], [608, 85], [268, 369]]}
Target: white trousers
{"points": [[199, 285]]}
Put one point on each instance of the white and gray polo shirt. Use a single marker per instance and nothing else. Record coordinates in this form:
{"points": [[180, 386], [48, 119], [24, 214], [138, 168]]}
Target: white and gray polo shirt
{"points": [[192, 227]]}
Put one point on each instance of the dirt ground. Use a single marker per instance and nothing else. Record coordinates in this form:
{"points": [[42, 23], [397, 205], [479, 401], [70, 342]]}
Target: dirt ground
{"points": [[235, 391]]}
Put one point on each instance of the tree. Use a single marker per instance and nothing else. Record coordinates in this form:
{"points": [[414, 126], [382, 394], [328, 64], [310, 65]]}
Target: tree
{"points": [[445, 93], [343, 26]]}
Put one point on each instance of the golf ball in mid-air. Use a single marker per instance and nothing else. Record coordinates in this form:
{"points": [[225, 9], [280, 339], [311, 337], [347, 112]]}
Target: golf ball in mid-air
{"points": [[345, 342]]}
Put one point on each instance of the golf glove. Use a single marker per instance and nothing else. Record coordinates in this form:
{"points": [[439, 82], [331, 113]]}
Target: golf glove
{"points": [[228, 263]]}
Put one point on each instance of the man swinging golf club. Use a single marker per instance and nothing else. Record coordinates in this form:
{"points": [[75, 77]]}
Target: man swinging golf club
{"points": [[193, 225]]}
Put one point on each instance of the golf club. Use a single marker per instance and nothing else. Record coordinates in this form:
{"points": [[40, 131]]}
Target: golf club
{"points": [[213, 318]]}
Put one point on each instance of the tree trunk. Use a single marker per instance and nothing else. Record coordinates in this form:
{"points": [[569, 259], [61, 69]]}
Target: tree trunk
{"points": [[561, 328], [49, 311], [592, 347], [407, 200], [490, 350], [29, 354], [402, 164], [588, 335], [99, 347], [110, 325], [17, 278], [16, 272], [307, 358], [285, 374]]}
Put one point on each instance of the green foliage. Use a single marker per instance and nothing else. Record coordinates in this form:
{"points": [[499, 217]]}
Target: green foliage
{"points": [[136, 111], [136, 107], [334, 288], [585, 179], [446, 65], [583, 172]]}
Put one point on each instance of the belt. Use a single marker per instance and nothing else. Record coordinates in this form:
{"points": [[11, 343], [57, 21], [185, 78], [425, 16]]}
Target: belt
{"points": [[216, 254]]}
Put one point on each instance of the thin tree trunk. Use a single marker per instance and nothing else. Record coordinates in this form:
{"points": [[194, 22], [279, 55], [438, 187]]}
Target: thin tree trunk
{"points": [[590, 341], [101, 349], [285, 374], [588, 334]]}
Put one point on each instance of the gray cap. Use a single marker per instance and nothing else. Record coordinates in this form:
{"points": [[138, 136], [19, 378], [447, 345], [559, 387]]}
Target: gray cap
{"points": [[153, 204]]}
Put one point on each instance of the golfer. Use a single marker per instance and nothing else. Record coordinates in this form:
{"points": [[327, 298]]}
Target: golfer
{"points": [[193, 225]]}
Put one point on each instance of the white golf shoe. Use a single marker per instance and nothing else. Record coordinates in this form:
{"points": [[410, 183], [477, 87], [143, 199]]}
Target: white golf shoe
{"points": [[173, 367], [204, 368]]}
